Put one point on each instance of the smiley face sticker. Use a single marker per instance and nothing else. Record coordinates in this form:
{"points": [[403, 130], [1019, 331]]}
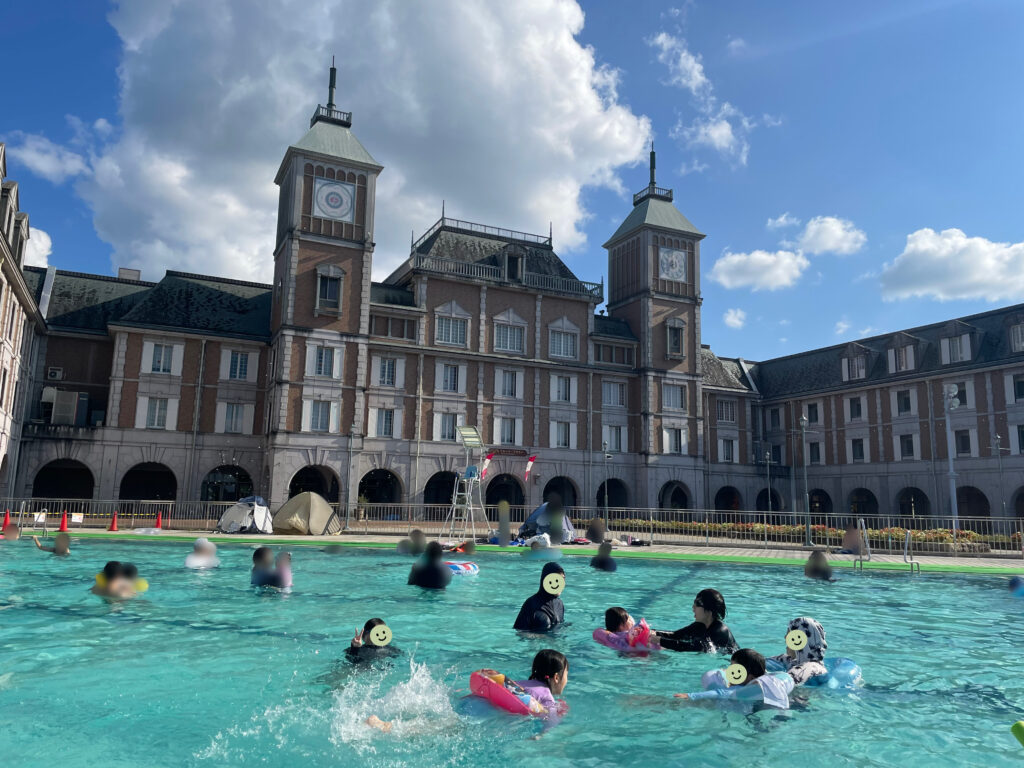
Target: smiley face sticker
{"points": [[553, 584], [735, 674], [796, 640], [380, 635]]}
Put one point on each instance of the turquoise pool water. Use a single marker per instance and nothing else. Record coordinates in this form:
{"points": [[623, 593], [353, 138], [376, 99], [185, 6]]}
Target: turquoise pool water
{"points": [[200, 671]]}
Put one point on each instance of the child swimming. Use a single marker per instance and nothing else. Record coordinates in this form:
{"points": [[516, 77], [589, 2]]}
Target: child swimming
{"points": [[371, 642], [817, 566], [622, 633], [263, 572], [805, 655], [745, 682], [117, 581], [61, 544], [604, 560]]}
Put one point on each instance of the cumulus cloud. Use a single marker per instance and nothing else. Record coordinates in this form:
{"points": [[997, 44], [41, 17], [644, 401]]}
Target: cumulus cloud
{"points": [[38, 248], [498, 110], [842, 326], [949, 265], [44, 158], [735, 318], [685, 68], [736, 46], [829, 234], [783, 221], [759, 270]]}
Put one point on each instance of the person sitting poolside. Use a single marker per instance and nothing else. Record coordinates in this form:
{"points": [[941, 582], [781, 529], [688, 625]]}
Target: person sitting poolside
{"points": [[543, 611], [431, 572], [61, 545], [808, 661], [708, 633], [604, 560], [11, 533], [756, 690], [418, 542], [817, 566], [853, 542]]}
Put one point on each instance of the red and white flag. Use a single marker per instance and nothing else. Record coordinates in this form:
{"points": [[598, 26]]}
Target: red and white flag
{"points": [[487, 463], [529, 466]]}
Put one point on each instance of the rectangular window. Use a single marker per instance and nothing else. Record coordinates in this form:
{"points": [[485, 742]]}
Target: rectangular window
{"points": [[962, 438], [451, 330], [1017, 337], [563, 389], [903, 405], [675, 397], [675, 340], [613, 393], [448, 424], [320, 416], [776, 454], [857, 449], [728, 451], [1018, 388], [3, 388], [615, 439], [906, 446], [509, 338], [774, 419], [162, 356], [726, 411], [233, 418], [904, 358], [239, 369], [856, 414], [562, 344], [393, 327], [561, 434], [814, 453], [510, 384], [330, 293], [450, 378], [324, 361], [385, 422], [961, 393], [508, 431], [388, 366], [858, 367], [156, 416], [675, 440], [1020, 438], [956, 351], [812, 413]]}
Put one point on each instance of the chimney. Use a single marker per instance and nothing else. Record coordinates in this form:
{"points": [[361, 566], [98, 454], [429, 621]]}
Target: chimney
{"points": [[123, 273]]}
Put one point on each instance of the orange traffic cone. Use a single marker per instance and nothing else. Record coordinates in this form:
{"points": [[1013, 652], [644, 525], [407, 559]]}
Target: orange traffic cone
{"points": [[113, 522], [159, 520], [7, 520], [63, 522]]}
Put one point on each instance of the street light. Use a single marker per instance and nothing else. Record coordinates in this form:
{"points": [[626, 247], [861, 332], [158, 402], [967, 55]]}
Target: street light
{"points": [[807, 495], [768, 464], [952, 402], [604, 447], [999, 457]]}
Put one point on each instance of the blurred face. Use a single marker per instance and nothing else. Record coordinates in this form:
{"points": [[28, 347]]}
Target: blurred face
{"points": [[266, 560], [12, 533], [702, 615], [559, 681]]}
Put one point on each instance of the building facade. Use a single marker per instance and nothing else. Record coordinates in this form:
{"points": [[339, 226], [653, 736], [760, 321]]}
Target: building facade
{"points": [[197, 387]]}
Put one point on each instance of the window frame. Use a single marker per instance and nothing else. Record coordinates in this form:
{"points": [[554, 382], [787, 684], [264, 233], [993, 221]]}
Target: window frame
{"points": [[504, 423], [324, 365], [681, 389], [860, 408], [814, 453], [326, 274], [318, 409], [731, 403], [855, 443], [445, 435], [238, 366], [166, 357], [452, 322], [156, 413], [449, 378], [615, 402], [615, 446], [510, 330], [560, 427], [385, 416], [906, 440], [675, 440], [564, 335], [957, 435], [561, 379], [909, 410], [506, 375], [234, 416]]}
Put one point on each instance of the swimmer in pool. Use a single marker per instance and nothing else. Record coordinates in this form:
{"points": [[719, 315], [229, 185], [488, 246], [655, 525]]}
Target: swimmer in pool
{"points": [[11, 533], [604, 560], [708, 633], [746, 681], [118, 581], [543, 611], [418, 542], [263, 573], [817, 566], [61, 545], [203, 555], [805, 656], [370, 643], [431, 572]]}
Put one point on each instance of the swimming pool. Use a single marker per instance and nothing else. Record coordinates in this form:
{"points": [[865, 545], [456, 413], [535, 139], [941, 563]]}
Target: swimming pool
{"points": [[201, 671]]}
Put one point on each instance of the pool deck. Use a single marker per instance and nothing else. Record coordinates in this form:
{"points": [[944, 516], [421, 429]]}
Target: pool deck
{"points": [[748, 555]]}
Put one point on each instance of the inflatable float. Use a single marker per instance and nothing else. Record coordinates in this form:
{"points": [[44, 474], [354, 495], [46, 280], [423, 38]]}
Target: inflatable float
{"points": [[503, 693], [842, 673], [463, 568], [636, 640]]}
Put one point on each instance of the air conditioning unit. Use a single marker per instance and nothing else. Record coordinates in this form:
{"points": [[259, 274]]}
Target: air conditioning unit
{"points": [[54, 374]]}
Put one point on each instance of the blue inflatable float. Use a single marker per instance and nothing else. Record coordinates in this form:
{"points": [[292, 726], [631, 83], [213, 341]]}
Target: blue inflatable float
{"points": [[842, 673]]}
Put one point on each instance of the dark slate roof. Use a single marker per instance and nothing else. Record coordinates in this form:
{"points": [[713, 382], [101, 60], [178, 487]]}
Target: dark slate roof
{"points": [[613, 326], [34, 278], [655, 213], [219, 306], [83, 302], [820, 369], [723, 372], [381, 293], [476, 248]]}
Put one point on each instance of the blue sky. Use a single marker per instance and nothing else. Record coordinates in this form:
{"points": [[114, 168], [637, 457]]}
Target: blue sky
{"points": [[129, 127]]}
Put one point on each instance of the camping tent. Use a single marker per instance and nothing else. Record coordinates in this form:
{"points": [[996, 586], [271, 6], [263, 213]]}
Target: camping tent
{"points": [[307, 514], [539, 522], [248, 515]]}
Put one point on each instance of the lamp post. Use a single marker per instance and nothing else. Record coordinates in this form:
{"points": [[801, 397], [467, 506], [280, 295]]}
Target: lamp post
{"points": [[768, 464], [807, 495], [348, 489], [999, 459], [604, 447], [951, 402]]}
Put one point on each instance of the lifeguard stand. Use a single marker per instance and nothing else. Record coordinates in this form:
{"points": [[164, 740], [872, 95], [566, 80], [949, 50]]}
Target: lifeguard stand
{"points": [[467, 503]]}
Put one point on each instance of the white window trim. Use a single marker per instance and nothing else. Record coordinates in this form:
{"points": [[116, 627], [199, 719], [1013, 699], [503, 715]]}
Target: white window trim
{"points": [[684, 394], [509, 318], [330, 271], [439, 377], [554, 401], [452, 311], [499, 384], [622, 386], [670, 324], [339, 358], [177, 358]]}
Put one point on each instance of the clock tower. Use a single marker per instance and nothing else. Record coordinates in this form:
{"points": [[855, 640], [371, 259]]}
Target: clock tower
{"points": [[654, 284]]}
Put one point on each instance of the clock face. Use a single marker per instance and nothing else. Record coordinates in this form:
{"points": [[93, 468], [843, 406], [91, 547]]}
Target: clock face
{"points": [[672, 264], [334, 200]]}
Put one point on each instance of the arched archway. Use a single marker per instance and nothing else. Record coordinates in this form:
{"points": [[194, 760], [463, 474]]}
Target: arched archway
{"points": [[439, 489], [564, 487], [1018, 502], [913, 502], [618, 494], [381, 486], [226, 483], [149, 481], [505, 488], [728, 499], [674, 495], [820, 502], [315, 478], [863, 503], [63, 479], [971, 502], [762, 501]]}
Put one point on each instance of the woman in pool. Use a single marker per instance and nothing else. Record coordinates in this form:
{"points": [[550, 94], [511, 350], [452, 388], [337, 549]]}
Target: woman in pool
{"points": [[370, 643], [809, 659], [543, 611], [431, 572], [708, 633]]}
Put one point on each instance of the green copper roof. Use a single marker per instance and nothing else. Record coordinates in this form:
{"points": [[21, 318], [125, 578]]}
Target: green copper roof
{"points": [[333, 140], [653, 212]]}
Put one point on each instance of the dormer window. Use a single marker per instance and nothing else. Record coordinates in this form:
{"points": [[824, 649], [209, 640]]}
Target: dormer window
{"points": [[956, 349], [855, 367], [330, 280], [901, 358], [1017, 337]]}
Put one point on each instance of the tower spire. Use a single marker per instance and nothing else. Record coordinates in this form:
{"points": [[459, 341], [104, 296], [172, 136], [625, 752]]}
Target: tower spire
{"points": [[652, 162], [334, 83]]}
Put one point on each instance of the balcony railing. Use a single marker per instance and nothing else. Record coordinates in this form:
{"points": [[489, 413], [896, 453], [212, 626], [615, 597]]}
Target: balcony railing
{"points": [[564, 285], [59, 431], [483, 229], [653, 191], [551, 283], [334, 115], [453, 267]]}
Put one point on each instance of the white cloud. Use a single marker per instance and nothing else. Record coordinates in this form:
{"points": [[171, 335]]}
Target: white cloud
{"points": [[829, 234], [38, 248], [735, 318], [736, 46], [186, 181], [759, 270], [44, 158], [783, 221], [949, 265], [867, 331], [784, 321], [842, 326], [685, 68]]}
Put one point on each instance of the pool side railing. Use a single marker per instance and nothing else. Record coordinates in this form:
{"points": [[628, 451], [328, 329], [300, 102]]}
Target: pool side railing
{"points": [[886, 534]]}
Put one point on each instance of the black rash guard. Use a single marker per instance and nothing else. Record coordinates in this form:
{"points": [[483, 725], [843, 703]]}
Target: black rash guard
{"points": [[430, 575], [540, 613], [604, 564], [697, 637]]}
